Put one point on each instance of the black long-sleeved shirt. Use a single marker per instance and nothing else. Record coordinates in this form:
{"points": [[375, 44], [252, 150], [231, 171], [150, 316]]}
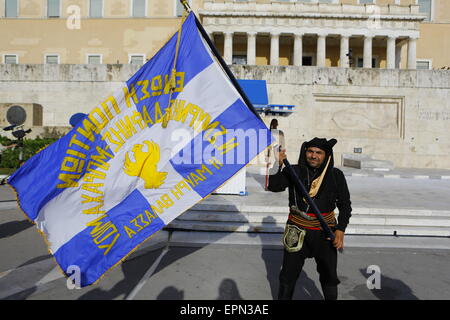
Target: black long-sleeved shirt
{"points": [[332, 193]]}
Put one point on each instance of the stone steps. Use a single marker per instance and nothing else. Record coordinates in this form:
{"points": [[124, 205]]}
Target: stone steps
{"points": [[353, 229], [227, 226], [385, 220], [375, 216], [362, 161], [398, 230], [245, 209], [262, 219], [401, 212]]}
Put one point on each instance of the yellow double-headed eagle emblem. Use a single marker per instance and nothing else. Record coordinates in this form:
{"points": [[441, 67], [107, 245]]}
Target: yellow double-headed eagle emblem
{"points": [[145, 165]]}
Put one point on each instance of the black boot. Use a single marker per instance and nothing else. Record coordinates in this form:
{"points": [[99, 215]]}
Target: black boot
{"points": [[285, 291], [330, 292]]}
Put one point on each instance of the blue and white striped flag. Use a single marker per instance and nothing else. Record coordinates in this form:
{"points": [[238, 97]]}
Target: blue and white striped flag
{"points": [[120, 176]]}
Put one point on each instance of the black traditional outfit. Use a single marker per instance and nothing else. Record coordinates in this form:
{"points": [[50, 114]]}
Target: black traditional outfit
{"points": [[303, 237]]}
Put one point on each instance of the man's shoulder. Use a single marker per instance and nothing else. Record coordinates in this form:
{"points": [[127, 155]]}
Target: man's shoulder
{"points": [[338, 172]]}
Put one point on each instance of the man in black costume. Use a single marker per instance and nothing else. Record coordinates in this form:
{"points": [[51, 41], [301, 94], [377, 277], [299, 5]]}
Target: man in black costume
{"points": [[303, 236]]}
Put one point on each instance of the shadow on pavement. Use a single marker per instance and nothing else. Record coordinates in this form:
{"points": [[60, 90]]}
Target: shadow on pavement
{"points": [[390, 289], [133, 270], [272, 259], [9, 229], [306, 288], [17, 274], [228, 290], [171, 293]]}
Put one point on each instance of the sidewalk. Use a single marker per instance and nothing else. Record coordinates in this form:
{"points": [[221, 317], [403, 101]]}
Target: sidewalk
{"points": [[26, 264], [406, 173], [374, 197], [398, 189], [381, 206]]}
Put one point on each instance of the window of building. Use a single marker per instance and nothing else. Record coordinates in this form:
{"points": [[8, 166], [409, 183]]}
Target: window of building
{"points": [[53, 8], [51, 59], [10, 59], [360, 63], [139, 8], [94, 59], [307, 61], [423, 64], [425, 7], [96, 8], [313, 1], [11, 8], [239, 59], [136, 59], [366, 1]]}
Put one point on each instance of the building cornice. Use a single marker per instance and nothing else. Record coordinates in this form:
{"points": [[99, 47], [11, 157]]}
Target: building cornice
{"points": [[310, 10], [204, 13]]}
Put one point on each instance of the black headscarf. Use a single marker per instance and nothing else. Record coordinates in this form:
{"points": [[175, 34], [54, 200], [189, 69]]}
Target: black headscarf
{"points": [[321, 143]]}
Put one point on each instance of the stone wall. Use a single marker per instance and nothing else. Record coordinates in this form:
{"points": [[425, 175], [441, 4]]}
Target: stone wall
{"points": [[397, 115]]}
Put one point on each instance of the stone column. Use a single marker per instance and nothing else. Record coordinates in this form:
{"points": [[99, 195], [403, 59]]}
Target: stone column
{"points": [[251, 48], [228, 48], [390, 53], [398, 56], [321, 49], [274, 49], [412, 53], [344, 61], [298, 49], [367, 52]]}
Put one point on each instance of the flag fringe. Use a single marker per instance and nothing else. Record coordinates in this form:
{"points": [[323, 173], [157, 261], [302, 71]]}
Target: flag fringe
{"points": [[44, 236], [39, 231]]}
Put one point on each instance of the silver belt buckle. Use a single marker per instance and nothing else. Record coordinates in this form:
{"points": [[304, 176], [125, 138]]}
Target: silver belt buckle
{"points": [[293, 238]]}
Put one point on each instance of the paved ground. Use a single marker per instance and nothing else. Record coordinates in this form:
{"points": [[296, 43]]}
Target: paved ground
{"points": [[372, 191], [250, 273], [243, 266]]}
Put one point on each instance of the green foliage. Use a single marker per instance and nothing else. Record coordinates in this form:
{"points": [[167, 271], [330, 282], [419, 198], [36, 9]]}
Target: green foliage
{"points": [[9, 158]]}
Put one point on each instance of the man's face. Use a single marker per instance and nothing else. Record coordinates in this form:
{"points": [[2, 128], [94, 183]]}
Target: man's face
{"points": [[315, 157]]}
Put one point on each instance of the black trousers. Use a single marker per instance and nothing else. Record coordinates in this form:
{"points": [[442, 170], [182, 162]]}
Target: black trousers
{"points": [[314, 246]]}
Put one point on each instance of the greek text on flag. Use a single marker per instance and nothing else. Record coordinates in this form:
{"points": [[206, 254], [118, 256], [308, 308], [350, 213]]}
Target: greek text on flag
{"points": [[120, 175]]}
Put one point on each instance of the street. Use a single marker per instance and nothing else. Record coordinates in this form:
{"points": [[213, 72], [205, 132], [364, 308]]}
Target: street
{"points": [[175, 265]]}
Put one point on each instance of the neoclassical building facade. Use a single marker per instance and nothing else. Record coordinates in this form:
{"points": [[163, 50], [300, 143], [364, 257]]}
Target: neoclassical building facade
{"points": [[314, 34], [376, 33], [351, 69]]}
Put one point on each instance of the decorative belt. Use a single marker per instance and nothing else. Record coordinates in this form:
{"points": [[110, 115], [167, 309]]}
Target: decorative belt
{"points": [[309, 220]]}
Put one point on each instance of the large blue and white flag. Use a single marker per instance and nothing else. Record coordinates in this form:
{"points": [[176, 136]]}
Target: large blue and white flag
{"points": [[120, 175]]}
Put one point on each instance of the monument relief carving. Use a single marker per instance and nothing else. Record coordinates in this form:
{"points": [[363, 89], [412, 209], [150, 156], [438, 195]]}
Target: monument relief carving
{"points": [[377, 117]]}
